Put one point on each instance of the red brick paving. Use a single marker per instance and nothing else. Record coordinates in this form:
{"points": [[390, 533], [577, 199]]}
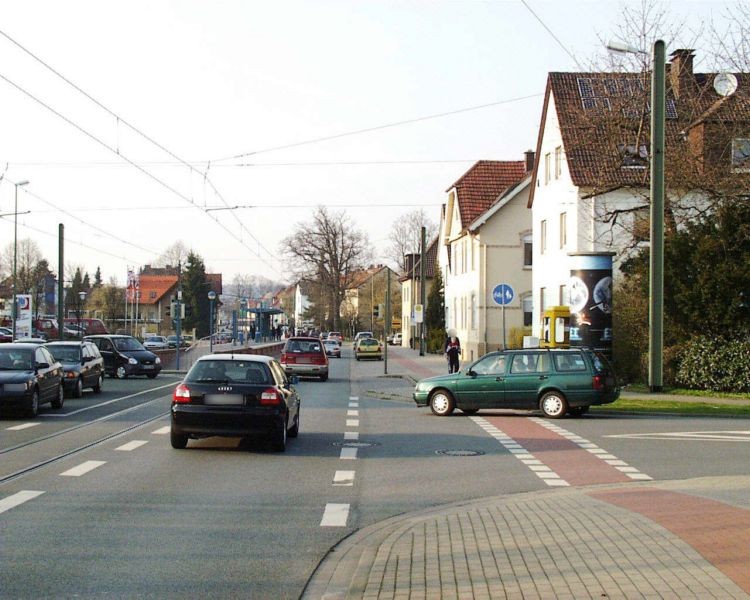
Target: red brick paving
{"points": [[719, 532]]}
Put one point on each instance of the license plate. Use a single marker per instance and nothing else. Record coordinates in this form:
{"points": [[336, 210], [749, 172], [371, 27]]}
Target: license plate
{"points": [[223, 399], [148, 366], [303, 360]]}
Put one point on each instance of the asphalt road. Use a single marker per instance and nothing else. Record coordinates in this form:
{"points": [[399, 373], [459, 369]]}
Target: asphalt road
{"points": [[105, 506]]}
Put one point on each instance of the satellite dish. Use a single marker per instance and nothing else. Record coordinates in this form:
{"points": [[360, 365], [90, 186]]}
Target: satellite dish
{"points": [[725, 84]]}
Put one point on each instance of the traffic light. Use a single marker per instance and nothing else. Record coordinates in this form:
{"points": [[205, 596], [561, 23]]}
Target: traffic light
{"points": [[376, 311], [168, 310]]}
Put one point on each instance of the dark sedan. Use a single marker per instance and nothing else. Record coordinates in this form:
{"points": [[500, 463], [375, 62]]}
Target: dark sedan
{"points": [[235, 396], [83, 366], [29, 376]]}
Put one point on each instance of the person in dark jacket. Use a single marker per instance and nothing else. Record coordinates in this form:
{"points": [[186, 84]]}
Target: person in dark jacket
{"points": [[452, 351]]}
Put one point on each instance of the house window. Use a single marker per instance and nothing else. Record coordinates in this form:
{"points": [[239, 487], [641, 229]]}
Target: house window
{"points": [[474, 311], [455, 313], [527, 303], [473, 249], [564, 300], [528, 251], [152, 295], [741, 155], [543, 237], [542, 300], [463, 255], [558, 162], [563, 230], [547, 173], [632, 156]]}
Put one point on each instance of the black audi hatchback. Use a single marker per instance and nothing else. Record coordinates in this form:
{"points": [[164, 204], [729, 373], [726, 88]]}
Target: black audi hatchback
{"points": [[235, 395]]}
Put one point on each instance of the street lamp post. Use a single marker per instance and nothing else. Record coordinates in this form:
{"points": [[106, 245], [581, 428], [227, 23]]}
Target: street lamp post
{"points": [[82, 300], [15, 255], [243, 308], [656, 251], [211, 298]]}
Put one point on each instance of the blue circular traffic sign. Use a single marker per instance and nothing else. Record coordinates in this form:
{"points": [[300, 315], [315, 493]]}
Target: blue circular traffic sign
{"points": [[503, 294]]}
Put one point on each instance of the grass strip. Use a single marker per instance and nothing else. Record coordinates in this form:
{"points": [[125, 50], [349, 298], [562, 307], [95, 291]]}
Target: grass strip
{"points": [[648, 405]]}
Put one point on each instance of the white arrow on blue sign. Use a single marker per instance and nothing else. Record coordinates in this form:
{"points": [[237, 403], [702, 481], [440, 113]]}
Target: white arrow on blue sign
{"points": [[503, 294]]}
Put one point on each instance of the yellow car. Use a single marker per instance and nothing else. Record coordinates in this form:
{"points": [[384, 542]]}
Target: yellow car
{"points": [[368, 348]]}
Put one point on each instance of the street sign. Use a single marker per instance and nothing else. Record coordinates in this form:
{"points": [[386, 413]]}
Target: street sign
{"points": [[503, 294], [418, 313]]}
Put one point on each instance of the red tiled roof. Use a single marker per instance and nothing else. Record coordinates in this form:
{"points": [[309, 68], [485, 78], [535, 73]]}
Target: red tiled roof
{"points": [[412, 266], [479, 187], [154, 287]]}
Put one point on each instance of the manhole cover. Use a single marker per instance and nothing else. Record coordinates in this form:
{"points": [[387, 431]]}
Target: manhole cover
{"points": [[460, 452], [356, 444]]}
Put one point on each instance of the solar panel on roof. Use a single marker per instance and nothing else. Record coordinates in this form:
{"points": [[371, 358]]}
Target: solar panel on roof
{"points": [[671, 109], [611, 86], [589, 103], [585, 88]]}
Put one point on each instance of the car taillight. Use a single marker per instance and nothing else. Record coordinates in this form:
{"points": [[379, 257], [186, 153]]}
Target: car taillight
{"points": [[320, 359], [597, 382], [181, 394], [270, 397]]}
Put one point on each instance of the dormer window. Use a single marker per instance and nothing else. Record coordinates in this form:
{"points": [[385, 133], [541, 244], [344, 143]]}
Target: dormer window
{"points": [[741, 155], [632, 156]]}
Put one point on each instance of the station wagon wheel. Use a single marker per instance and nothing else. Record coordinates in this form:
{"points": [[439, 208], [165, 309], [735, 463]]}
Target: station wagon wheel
{"points": [[553, 405], [442, 403], [58, 401]]}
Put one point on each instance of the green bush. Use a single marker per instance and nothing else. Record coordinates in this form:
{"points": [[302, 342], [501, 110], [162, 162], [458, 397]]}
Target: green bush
{"points": [[436, 341], [715, 364]]}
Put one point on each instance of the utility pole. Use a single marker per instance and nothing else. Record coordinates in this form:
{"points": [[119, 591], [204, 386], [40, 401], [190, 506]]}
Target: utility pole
{"points": [[422, 289], [178, 306], [656, 253], [60, 282], [387, 325]]}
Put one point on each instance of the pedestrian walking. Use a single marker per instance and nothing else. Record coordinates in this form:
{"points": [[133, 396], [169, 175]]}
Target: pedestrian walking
{"points": [[452, 351]]}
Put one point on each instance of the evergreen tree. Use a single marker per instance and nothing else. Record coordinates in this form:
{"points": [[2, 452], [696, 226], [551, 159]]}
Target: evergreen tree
{"points": [[98, 278], [195, 295], [72, 300], [435, 310], [86, 283]]}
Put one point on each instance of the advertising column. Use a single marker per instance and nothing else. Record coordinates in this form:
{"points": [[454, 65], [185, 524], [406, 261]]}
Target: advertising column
{"points": [[24, 320], [590, 292]]}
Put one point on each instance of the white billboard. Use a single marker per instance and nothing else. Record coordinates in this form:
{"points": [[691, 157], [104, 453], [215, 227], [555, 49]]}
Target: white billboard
{"points": [[23, 316]]}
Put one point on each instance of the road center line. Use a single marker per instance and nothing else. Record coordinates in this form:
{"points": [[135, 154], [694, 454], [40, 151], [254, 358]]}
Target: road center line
{"points": [[20, 427], [344, 478], [83, 468], [352, 413], [17, 499], [352, 422], [351, 435], [335, 515], [162, 430], [348, 454], [131, 445]]}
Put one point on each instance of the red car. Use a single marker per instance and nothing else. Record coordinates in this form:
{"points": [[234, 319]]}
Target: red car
{"points": [[305, 356], [6, 334]]}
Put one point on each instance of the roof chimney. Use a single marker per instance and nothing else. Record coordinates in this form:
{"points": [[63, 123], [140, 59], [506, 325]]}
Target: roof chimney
{"points": [[681, 72], [529, 154]]}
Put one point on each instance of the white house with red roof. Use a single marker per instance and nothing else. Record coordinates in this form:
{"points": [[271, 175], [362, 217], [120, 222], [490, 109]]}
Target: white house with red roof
{"points": [[485, 241]]}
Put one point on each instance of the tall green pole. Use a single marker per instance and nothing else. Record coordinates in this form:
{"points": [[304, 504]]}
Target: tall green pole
{"points": [[656, 270], [422, 289], [387, 325], [60, 280]]}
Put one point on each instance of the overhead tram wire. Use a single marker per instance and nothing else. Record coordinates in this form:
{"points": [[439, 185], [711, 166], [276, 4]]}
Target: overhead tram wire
{"points": [[377, 127], [254, 206], [204, 174], [554, 37], [97, 228], [137, 166]]}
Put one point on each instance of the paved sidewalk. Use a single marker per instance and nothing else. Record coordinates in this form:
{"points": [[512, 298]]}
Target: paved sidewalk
{"points": [[679, 539]]}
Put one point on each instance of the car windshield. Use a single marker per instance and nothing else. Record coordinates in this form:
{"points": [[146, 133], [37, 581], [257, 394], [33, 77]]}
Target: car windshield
{"points": [[127, 344], [65, 353], [240, 371], [15, 359]]}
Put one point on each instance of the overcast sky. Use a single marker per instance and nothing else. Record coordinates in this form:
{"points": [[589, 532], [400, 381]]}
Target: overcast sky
{"points": [[213, 80]]}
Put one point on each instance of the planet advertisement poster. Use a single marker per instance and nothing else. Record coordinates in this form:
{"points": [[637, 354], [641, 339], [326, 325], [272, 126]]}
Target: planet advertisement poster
{"points": [[591, 304]]}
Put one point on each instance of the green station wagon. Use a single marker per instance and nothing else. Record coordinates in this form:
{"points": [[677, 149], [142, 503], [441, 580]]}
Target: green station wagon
{"points": [[557, 382]]}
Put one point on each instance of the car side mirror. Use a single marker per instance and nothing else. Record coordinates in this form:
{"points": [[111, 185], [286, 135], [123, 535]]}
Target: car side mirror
{"points": [[293, 380], [42, 365], [471, 373], [86, 359]]}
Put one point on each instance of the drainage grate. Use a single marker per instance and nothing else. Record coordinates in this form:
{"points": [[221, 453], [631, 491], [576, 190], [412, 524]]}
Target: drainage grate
{"points": [[460, 452], [356, 444]]}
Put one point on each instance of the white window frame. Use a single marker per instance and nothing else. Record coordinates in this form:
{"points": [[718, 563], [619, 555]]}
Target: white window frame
{"points": [[563, 230], [543, 237]]}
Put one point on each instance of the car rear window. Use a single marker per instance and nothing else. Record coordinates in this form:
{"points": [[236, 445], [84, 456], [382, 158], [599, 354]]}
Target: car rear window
{"points": [[601, 363], [65, 353], [303, 346], [240, 371], [369, 342], [566, 362]]}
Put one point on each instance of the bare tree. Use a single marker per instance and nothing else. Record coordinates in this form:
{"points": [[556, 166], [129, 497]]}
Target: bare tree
{"points": [[406, 234], [173, 255], [28, 256], [731, 43], [327, 251]]}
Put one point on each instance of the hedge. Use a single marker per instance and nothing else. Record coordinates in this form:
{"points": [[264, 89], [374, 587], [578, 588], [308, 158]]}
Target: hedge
{"points": [[715, 364]]}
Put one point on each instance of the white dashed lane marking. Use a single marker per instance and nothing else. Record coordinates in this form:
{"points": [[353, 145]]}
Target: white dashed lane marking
{"points": [[595, 450], [335, 515], [344, 478], [354, 405], [132, 445], [162, 430], [21, 427], [18, 499], [351, 435], [352, 422], [535, 466], [354, 398], [352, 413], [83, 468], [348, 454]]}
